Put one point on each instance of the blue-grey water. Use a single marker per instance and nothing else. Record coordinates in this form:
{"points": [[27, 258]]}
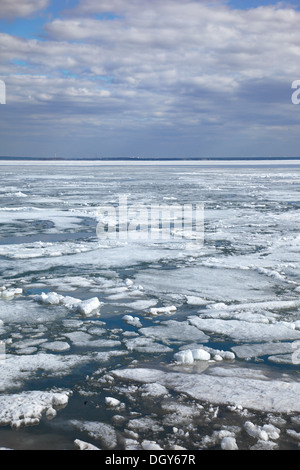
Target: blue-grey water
{"points": [[234, 291]]}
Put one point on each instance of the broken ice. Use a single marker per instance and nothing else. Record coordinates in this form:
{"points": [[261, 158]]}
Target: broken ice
{"points": [[149, 345]]}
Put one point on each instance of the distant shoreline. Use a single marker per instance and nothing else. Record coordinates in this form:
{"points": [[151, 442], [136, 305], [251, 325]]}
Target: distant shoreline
{"points": [[149, 162], [147, 159]]}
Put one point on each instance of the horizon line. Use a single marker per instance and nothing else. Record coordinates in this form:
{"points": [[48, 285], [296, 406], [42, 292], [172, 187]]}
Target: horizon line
{"points": [[18, 158]]}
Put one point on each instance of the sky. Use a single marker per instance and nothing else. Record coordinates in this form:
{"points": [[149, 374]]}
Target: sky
{"points": [[149, 78]]}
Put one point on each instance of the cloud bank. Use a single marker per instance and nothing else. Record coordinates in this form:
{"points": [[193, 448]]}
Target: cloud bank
{"points": [[175, 78]]}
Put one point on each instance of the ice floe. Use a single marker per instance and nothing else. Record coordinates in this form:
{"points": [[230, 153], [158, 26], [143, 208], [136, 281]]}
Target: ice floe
{"points": [[173, 330], [17, 369], [103, 432], [146, 345], [239, 330], [27, 408], [253, 392], [56, 346]]}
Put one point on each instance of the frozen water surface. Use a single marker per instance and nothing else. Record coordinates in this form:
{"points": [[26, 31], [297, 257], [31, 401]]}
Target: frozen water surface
{"points": [[166, 344]]}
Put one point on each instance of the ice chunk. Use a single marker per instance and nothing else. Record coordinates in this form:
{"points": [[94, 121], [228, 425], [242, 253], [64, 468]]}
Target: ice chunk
{"points": [[200, 355], [150, 445], [86, 307], [56, 299], [194, 300], [184, 357], [84, 445], [8, 294], [112, 402], [256, 431], [27, 408], [144, 424], [134, 321], [153, 390], [162, 310], [50, 299], [229, 443], [188, 356], [293, 434], [103, 432], [89, 306]]}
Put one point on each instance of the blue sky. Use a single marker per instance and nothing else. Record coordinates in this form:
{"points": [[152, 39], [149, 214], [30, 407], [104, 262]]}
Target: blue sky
{"points": [[179, 78]]}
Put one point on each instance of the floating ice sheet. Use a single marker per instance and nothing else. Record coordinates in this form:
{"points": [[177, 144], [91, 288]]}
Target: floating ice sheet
{"points": [[27, 408], [15, 370], [254, 392], [245, 331], [172, 330], [212, 283]]}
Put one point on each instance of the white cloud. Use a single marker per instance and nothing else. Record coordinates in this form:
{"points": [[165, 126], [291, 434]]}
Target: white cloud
{"points": [[183, 64], [21, 8]]}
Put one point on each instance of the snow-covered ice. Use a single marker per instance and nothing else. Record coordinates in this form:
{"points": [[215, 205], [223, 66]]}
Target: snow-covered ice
{"points": [[27, 408], [233, 389], [165, 344]]}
